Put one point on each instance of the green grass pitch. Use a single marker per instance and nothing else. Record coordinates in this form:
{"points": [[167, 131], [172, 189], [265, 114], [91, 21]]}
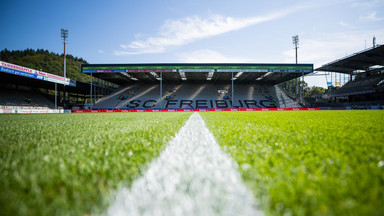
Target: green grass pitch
{"points": [[67, 164], [308, 163], [296, 163]]}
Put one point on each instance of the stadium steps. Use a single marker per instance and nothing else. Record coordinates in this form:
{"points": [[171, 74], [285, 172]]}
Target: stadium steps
{"points": [[112, 100], [146, 92], [282, 99], [17, 98], [369, 83], [194, 92]]}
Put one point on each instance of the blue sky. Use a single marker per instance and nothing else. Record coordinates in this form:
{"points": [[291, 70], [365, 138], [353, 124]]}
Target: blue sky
{"points": [[214, 31]]}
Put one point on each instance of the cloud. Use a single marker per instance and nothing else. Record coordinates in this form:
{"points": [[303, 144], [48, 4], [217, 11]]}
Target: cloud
{"points": [[327, 47], [365, 4], [209, 56], [179, 32], [330, 46], [371, 17], [345, 24], [100, 51]]}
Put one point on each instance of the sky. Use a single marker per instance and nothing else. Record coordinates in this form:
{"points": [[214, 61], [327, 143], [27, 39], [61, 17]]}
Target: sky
{"points": [[198, 31]]}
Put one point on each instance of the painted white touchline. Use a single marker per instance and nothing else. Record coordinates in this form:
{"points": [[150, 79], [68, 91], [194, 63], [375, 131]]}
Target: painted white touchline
{"points": [[192, 176]]}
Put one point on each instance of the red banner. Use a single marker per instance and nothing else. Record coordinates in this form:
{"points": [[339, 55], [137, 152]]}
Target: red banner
{"points": [[193, 110]]}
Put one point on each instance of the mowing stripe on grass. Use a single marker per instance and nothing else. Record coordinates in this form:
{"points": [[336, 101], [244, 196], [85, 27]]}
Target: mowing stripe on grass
{"points": [[192, 176]]}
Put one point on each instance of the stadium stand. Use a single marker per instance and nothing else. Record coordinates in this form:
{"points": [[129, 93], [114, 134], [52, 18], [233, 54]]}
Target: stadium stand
{"points": [[362, 86], [282, 99], [145, 96], [365, 69], [362, 93], [196, 85], [23, 99], [197, 92], [183, 86], [187, 96], [117, 97]]}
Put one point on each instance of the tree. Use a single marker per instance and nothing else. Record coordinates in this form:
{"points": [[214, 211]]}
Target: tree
{"points": [[314, 90], [332, 89], [47, 61]]}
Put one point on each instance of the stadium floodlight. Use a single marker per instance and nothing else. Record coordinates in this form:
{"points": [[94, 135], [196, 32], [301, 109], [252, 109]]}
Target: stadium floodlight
{"points": [[295, 41], [154, 74], [125, 74], [182, 74], [129, 76], [64, 36], [261, 77], [210, 75], [238, 75], [64, 33]]}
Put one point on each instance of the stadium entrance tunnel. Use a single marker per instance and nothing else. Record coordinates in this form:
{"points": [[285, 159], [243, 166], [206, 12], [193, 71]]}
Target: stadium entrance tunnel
{"points": [[202, 104]]}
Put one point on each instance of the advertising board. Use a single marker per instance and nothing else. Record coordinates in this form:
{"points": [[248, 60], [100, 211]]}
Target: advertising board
{"points": [[34, 74]]}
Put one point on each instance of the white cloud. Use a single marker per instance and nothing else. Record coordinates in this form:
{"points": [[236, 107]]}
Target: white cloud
{"points": [[179, 32], [345, 24], [325, 48], [371, 17], [365, 4], [100, 51], [209, 56]]}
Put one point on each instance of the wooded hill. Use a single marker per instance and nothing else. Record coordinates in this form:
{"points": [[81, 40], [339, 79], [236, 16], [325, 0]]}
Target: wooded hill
{"points": [[46, 61]]}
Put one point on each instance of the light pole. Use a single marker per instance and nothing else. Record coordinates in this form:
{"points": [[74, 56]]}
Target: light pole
{"points": [[295, 41], [64, 36]]}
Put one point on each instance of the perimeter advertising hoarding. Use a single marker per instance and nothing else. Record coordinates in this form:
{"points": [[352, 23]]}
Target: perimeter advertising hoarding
{"points": [[25, 111], [34, 74], [194, 110]]}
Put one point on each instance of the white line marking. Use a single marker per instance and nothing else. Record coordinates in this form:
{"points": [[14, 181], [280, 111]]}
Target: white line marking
{"points": [[192, 176]]}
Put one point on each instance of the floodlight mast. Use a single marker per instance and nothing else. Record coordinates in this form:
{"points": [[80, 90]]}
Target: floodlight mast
{"points": [[295, 41], [64, 36]]}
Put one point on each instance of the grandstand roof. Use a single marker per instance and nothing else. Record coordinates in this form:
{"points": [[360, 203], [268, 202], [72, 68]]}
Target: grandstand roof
{"points": [[356, 62], [214, 72]]}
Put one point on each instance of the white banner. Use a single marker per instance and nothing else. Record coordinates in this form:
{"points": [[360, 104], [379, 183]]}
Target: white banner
{"points": [[36, 74]]}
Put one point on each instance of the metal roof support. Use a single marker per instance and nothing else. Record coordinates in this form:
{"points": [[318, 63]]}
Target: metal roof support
{"points": [[302, 89], [161, 90], [91, 92], [95, 91], [55, 95], [232, 90]]}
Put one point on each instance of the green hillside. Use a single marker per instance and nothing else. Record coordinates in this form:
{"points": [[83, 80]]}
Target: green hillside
{"points": [[46, 61]]}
